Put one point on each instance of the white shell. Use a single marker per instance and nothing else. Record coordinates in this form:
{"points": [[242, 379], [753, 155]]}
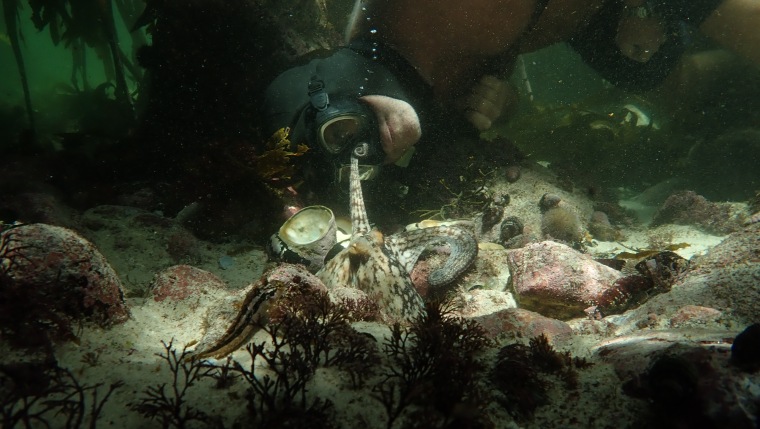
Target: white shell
{"points": [[310, 233]]}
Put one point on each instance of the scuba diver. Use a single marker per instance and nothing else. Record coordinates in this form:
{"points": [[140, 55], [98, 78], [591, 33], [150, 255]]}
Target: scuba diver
{"points": [[408, 66]]}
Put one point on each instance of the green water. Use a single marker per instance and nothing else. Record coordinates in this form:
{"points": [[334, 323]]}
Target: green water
{"points": [[210, 72]]}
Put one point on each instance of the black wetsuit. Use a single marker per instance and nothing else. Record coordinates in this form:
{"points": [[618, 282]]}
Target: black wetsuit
{"points": [[596, 43]]}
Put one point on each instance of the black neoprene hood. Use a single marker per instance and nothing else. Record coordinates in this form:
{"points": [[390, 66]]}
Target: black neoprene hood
{"points": [[345, 73]]}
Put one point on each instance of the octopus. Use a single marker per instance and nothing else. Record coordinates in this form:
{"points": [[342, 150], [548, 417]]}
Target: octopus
{"points": [[379, 265]]}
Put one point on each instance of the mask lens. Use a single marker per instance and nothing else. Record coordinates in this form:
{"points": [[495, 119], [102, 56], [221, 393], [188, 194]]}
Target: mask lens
{"points": [[338, 132]]}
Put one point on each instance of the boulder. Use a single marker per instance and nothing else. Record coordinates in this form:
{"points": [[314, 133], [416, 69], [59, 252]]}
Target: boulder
{"points": [[51, 279], [553, 279]]}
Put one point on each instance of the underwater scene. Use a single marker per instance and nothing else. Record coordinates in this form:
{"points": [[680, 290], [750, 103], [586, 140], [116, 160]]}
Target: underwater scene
{"points": [[380, 214]]}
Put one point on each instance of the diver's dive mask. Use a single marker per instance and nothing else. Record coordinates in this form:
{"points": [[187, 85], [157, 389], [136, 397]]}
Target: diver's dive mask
{"points": [[338, 124]]}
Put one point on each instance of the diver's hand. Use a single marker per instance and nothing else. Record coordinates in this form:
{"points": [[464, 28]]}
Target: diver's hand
{"points": [[488, 100], [398, 125]]}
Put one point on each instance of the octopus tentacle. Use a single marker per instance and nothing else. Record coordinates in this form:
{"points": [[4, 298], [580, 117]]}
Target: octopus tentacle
{"points": [[409, 245], [359, 220]]}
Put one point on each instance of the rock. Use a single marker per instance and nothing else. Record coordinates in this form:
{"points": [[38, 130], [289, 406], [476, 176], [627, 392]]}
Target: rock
{"points": [[38, 207], [686, 377], [557, 281], [514, 323], [688, 208], [745, 352], [231, 322], [725, 167], [601, 229], [725, 279], [182, 246], [633, 354], [52, 278], [141, 243], [690, 316], [548, 201], [179, 282], [512, 173], [343, 293], [482, 302]]}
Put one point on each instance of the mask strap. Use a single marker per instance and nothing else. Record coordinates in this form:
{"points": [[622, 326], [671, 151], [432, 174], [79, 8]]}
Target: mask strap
{"points": [[317, 95]]}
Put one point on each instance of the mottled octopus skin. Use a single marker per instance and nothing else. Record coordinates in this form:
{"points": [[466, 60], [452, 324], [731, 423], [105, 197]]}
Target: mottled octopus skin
{"points": [[409, 245], [375, 264], [380, 266]]}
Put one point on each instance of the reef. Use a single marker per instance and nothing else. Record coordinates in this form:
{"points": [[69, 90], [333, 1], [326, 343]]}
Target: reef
{"points": [[688, 208]]}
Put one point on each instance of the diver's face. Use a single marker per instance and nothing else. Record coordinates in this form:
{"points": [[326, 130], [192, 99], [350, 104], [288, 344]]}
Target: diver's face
{"points": [[398, 122], [640, 38]]}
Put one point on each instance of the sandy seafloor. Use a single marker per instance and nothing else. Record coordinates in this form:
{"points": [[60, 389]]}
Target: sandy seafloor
{"points": [[128, 352]]}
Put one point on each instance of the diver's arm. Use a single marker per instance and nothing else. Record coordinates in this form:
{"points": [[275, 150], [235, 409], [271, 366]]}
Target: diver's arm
{"points": [[735, 24]]}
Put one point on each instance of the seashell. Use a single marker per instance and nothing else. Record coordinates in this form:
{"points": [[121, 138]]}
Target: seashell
{"points": [[548, 201], [307, 238], [663, 268], [491, 214], [511, 227], [512, 173]]}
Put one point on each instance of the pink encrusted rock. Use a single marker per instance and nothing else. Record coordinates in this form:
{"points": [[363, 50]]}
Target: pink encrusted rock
{"points": [[557, 281], [178, 282], [293, 274], [55, 265], [518, 323], [39, 207], [228, 323], [419, 275]]}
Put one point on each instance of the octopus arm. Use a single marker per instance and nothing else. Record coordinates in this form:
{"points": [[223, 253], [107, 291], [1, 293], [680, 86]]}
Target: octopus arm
{"points": [[409, 245]]}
